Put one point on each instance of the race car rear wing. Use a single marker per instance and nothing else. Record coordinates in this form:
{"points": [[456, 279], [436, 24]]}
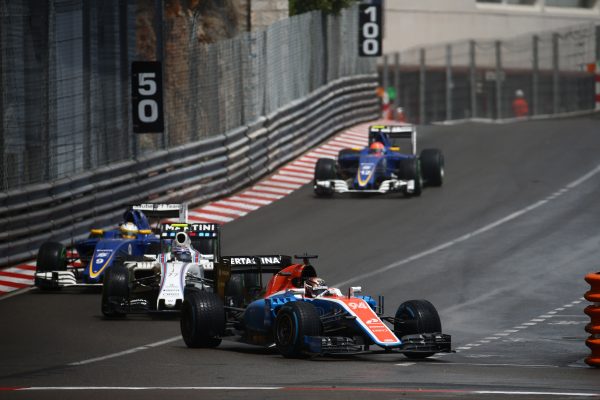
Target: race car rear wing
{"points": [[394, 133], [261, 263], [151, 210], [257, 264], [204, 236]]}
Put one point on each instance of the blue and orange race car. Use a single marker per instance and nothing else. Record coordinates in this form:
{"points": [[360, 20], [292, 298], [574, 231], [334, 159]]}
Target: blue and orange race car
{"points": [[381, 167], [301, 316], [103, 248]]}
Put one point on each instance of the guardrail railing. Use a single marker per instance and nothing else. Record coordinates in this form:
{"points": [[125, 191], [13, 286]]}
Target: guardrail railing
{"points": [[193, 173]]}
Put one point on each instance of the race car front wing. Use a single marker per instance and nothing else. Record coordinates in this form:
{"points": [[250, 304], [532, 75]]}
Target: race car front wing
{"points": [[54, 279], [419, 343], [387, 186]]}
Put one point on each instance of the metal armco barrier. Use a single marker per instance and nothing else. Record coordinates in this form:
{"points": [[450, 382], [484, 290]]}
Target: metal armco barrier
{"points": [[593, 311], [66, 209]]}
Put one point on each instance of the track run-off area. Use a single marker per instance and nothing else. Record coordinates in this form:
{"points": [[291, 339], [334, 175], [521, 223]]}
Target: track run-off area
{"points": [[501, 250]]}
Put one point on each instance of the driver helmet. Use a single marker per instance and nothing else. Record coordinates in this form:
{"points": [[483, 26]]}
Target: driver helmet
{"points": [[128, 230], [181, 247], [314, 287], [376, 148]]}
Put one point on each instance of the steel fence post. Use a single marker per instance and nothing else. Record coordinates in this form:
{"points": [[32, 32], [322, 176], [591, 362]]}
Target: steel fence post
{"points": [[384, 84], [555, 74], [535, 75], [597, 43], [422, 86], [597, 69], [160, 56], [125, 87], [449, 83], [499, 77], [396, 84], [3, 171], [87, 94], [385, 78], [473, 78]]}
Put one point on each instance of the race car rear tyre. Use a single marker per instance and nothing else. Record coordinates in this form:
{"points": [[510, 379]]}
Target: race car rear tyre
{"points": [[325, 170], [410, 169], [202, 319], [115, 292], [432, 163], [52, 256], [416, 317], [295, 320]]}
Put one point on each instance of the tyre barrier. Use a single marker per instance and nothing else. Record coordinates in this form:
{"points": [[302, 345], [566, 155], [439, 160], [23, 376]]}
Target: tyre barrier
{"points": [[593, 311], [193, 173]]}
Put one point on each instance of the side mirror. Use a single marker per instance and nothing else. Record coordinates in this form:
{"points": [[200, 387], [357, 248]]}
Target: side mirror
{"points": [[352, 290]]}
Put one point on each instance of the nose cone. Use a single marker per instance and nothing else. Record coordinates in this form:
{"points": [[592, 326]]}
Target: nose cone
{"points": [[366, 171]]}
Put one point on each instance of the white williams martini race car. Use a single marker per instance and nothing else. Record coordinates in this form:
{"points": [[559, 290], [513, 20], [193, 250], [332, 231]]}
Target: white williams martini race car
{"points": [[157, 283]]}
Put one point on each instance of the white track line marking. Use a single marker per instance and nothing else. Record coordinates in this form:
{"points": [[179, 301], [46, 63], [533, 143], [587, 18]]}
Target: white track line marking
{"points": [[238, 204], [4, 288], [223, 210], [126, 352], [297, 174], [262, 202], [150, 388], [271, 189], [452, 391], [290, 179], [265, 195], [463, 238], [301, 169], [287, 185], [25, 281], [195, 215]]}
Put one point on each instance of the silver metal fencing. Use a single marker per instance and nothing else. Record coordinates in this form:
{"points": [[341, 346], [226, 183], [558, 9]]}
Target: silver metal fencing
{"points": [[480, 79], [234, 111], [64, 73]]}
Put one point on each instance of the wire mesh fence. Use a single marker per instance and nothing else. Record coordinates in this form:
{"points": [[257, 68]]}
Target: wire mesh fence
{"points": [[482, 79], [65, 66]]}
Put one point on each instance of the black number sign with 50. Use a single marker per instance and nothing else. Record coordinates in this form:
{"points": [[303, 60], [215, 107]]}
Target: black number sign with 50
{"points": [[146, 97]]}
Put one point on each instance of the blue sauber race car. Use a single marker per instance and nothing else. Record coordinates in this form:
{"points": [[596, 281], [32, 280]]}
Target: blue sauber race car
{"points": [[381, 167], [301, 316], [103, 248]]}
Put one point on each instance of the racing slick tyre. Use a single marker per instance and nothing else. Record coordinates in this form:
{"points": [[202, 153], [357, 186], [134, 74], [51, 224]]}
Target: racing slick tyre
{"points": [[410, 169], [202, 318], [295, 320], [432, 163], [52, 256], [325, 170], [115, 291], [416, 317]]}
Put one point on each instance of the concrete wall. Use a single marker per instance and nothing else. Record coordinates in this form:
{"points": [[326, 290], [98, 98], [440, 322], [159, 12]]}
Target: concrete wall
{"points": [[412, 23], [265, 12]]}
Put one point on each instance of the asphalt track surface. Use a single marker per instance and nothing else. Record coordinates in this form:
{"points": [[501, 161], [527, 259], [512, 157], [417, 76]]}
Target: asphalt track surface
{"points": [[501, 250]]}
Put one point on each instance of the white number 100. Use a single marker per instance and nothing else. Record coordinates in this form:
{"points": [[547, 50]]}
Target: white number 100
{"points": [[370, 31]]}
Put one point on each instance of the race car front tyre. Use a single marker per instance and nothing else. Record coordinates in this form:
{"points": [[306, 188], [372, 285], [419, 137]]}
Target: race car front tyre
{"points": [[115, 291], [409, 169], [417, 317], [52, 256], [202, 319], [325, 170], [432, 163], [294, 321]]}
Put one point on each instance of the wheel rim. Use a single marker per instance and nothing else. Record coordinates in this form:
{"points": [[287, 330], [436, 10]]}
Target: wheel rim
{"points": [[285, 330]]}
